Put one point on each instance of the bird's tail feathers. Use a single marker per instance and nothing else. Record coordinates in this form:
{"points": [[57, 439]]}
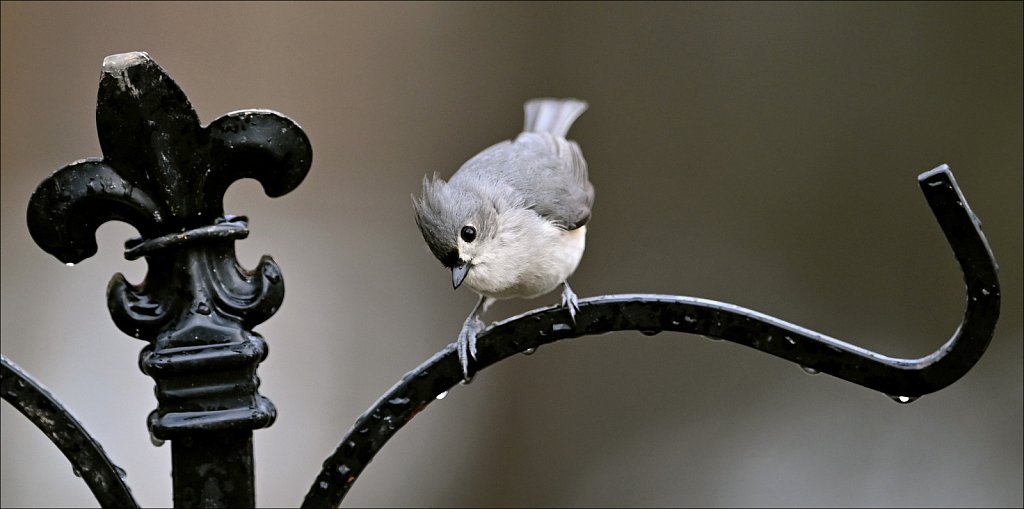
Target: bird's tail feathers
{"points": [[553, 116]]}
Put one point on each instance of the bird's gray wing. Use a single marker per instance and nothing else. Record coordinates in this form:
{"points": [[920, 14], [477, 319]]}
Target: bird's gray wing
{"points": [[538, 170]]}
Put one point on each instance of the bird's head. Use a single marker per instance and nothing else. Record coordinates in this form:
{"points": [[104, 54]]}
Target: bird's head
{"points": [[457, 223]]}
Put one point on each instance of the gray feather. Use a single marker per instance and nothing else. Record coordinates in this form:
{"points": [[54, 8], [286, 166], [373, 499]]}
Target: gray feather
{"points": [[444, 209], [553, 116], [540, 169]]}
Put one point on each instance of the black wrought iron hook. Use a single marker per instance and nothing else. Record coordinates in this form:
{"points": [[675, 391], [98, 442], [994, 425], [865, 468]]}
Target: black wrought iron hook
{"points": [[87, 457], [902, 379]]}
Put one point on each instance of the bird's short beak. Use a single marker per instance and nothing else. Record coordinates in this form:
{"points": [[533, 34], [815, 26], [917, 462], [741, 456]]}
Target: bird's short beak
{"points": [[459, 272]]}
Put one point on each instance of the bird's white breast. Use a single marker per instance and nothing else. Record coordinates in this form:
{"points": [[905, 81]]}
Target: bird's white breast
{"points": [[528, 257]]}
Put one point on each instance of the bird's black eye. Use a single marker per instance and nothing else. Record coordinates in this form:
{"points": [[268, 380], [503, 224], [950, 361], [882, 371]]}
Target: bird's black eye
{"points": [[468, 233]]}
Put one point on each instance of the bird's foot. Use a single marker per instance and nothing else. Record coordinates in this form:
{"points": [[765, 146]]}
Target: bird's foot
{"points": [[467, 343], [570, 301]]}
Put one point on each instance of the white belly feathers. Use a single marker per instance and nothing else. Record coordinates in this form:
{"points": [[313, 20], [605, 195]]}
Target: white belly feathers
{"points": [[523, 263]]}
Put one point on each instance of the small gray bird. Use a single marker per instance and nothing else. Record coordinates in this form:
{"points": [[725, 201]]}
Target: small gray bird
{"points": [[511, 222]]}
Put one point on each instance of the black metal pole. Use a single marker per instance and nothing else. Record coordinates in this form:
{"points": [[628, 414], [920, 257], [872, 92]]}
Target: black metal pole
{"points": [[214, 470], [165, 174]]}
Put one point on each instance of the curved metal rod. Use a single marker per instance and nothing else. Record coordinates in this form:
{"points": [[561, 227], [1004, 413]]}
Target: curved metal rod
{"points": [[902, 379], [87, 457]]}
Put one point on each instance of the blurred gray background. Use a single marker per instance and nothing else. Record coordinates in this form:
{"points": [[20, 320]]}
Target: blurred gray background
{"points": [[762, 154]]}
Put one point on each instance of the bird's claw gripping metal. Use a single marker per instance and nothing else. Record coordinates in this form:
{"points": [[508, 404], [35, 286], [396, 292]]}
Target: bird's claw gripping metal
{"points": [[569, 301], [467, 342]]}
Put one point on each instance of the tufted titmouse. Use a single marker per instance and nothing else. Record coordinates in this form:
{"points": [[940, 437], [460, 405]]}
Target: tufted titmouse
{"points": [[511, 221]]}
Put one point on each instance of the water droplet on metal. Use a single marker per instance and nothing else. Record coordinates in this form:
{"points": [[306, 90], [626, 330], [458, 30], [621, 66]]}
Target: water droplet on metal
{"points": [[530, 351], [441, 396], [790, 341], [121, 472], [69, 264], [350, 445], [560, 327], [649, 332], [75, 471], [398, 401], [809, 370], [903, 400], [984, 291], [203, 308], [155, 441], [273, 276], [323, 485]]}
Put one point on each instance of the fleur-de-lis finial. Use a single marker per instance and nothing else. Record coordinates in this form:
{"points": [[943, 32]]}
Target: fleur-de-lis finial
{"points": [[161, 171], [165, 174]]}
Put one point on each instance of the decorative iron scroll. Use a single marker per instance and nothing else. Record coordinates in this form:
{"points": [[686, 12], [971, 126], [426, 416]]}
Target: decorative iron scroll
{"points": [[88, 459]]}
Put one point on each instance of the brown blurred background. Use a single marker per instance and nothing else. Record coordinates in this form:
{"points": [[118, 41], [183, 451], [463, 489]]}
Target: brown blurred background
{"points": [[760, 154]]}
